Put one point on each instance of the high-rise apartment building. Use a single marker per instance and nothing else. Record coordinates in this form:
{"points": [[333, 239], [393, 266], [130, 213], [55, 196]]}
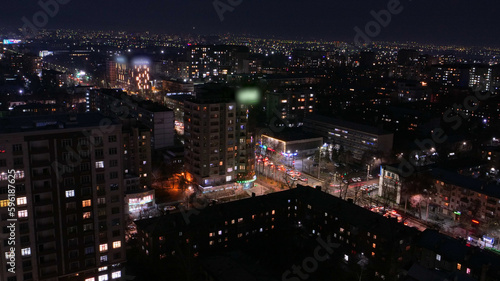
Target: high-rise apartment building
{"points": [[68, 179], [218, 145]]}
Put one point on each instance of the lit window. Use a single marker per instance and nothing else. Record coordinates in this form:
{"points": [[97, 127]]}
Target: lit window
{"points": [[70, 193], [346, 257], [438, 257], [26, 252], [374, 245], [104, 258], [4, 203], [468, 271], [116, 274], [99, 164], [22, 214], [21, 201], [86, 203], [86, 215], [117, 244], [103, 247], [103, 277], [459, 266], [104, 268], [90, 279]]}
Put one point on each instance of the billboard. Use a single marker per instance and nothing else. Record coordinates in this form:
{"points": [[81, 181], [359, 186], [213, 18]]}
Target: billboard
{"points": [[11, 41]]}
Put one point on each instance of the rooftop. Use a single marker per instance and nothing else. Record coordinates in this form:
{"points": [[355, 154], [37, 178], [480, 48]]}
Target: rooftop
{"points": [[346, 124], [50, 122], [488, 188]]}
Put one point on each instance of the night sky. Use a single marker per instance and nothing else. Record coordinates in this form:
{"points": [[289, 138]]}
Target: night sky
{"points": [[437, 21]]}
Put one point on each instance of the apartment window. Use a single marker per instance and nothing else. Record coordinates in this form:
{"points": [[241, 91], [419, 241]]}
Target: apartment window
{"points": [[72, 229], [17, 147], [113, 175], [85, 167], [18, 161], [85, 179], [89, 250], [3, 163], [103, 247], [113, 186], [113, 151], [103, 258], [438, 257], [117, 244], [98, 140], [66, 142], [103, 277], [467, 271], [112, 139], [70, 193], [26, 252], [99, 152], [22, 214], [116, 233], [99, 164], [115, 210], [88, 226], [90, 279], [116, 274], [21, 201], [459, 266], [87, 215], [99, 177], [86, 203], [69, 181], [115, 222], [101, 200]]}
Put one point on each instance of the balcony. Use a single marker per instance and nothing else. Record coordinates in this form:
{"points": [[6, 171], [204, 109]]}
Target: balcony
{"points": [[44, 239], [42, 202], [44, 214], [41, 176], [45, 226]]}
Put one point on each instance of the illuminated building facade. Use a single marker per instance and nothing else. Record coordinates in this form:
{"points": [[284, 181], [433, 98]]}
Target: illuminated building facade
{"points": [[218, 146], [69, 195]]}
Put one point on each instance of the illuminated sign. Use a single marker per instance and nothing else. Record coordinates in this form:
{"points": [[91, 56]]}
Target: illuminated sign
{"points": [[140, 201], [247, 181], [11, 41], [488, 240]]}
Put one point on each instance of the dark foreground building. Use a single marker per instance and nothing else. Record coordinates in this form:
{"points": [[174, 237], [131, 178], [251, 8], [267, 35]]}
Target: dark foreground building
{"points": [[301, 234]]}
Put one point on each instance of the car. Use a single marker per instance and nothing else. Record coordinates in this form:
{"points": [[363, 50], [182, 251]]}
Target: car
{"points": [[169, 208], [303, 179], [293, 178], [370, 177], [358, 179], [345, 181]]}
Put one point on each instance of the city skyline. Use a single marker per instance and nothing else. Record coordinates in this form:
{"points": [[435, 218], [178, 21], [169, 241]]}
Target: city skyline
{"points": [[451, 22]]}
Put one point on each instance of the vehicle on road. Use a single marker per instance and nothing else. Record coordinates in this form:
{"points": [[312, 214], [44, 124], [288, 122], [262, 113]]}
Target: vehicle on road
{"points": [[169, 208], [303, 179]]}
